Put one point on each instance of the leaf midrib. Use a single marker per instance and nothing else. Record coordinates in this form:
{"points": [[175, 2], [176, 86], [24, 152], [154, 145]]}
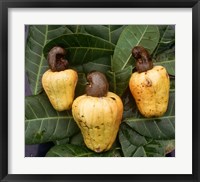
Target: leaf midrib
{"points": [[146, 119], [84, 34], [40, 65], [48, 118], [92, 48]]}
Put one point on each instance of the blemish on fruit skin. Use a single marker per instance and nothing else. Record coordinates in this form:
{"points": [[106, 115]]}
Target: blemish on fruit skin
{"points": [[97, 127], [98, 149], [148, 82], [112, 98]]}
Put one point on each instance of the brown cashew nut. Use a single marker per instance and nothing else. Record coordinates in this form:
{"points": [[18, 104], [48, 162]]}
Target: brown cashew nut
{"points": [[56, 59], [143, 59], [97, 84]]}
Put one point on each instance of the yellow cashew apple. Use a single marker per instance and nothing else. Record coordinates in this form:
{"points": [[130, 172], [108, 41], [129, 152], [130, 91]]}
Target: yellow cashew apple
{"points": [[59, 82], [149, 85], [98, 113]]}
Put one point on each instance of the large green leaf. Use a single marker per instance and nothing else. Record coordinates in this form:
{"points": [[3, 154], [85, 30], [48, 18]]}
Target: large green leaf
{"points": [[76, 28], [110, 33], [167, 39], [82, 48], [157, 128], [135, 145], [62, 141], [35, 62], [70, 150], [167, 59], [44, 124], [115, 32], [168, 145], [102, 64], [133, 35]]}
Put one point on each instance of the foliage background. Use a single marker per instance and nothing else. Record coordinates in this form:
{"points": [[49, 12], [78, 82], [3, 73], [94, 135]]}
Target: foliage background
{"points": [[106, 48]]}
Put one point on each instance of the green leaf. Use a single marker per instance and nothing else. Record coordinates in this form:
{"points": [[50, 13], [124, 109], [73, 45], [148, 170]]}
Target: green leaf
{"points": [[167, 39], [76, 28], [82, 48], [35, 62], [172, 84], [157, 128], [154, 149], [133, 35], [44, 124], [77, 139], [167, 59], [118, 81], [135, 145], [62, 141], [70, 150], [81, 84], [116, 31], [102, 64], [110, 33], [168, 145]]}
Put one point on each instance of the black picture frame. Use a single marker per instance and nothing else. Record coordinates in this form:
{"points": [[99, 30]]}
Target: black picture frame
{"points": [[4, 105]]}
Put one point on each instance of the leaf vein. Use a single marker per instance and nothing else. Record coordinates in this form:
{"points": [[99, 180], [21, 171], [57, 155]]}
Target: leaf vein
{"points": [[39, 31], [50, 118], [55, 130], [41, 61], [33, 51], [31, 38]]}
